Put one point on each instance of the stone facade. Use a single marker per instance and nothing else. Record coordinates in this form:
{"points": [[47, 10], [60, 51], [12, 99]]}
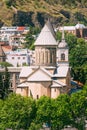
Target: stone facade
{"points": [[48, 77], [78, 30], [45, 56]]}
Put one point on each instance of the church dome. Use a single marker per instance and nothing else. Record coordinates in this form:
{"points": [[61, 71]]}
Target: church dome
{"points": [[62, 44]]}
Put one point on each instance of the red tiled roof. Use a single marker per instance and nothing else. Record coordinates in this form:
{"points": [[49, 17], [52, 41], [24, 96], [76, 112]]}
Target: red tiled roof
{"points": [[21, 28], [2, 43], [6, 48]]}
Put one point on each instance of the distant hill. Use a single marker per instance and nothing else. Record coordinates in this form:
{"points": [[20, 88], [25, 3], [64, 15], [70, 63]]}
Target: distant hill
{"points": [[36, 12]]}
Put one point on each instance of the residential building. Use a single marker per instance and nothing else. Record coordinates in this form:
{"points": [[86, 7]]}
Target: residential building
{"points": [[13, 35], [79, 30], [20, 57], [16, 40]]}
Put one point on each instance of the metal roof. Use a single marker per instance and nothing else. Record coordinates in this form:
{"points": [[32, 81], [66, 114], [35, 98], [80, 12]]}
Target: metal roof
{"points": [[61, 71], [57, 84], [80, 26]]}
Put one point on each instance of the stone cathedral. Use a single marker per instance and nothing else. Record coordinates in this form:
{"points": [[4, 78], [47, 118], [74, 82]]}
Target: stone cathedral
{"points": [[50, 75]]}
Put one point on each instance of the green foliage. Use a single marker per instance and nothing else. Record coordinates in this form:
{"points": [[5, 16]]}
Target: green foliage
{"points": [[78, 106], [5, 64], [60, 115], [77, 56], [10, 2], [71, 40], [1, 86], [31, 37], [4, 84], [17, 112], [78, 61], [35, 126], [58, 36], [26, 7], [83, 3], [43, 110]]}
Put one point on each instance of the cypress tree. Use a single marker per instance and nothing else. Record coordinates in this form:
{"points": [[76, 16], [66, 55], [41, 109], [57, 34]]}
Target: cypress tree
{"points": [[6, 82], [1, 86]]}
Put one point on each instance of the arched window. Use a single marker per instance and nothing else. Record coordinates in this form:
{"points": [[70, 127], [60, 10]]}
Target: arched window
{"points": [[62, 56]]}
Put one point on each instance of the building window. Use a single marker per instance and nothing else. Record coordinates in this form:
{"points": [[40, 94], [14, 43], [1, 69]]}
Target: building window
{"points": [[37, 96], [62, 56], [10, 84], [18, 57], [12, 57], [17, 76], [55, 90], [23, 57]]}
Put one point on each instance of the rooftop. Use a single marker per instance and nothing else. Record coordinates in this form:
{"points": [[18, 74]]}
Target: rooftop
{"points": [[46, 37]]}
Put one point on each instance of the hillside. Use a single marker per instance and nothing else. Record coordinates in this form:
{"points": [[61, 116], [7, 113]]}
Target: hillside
{"points": [[34, 13]]}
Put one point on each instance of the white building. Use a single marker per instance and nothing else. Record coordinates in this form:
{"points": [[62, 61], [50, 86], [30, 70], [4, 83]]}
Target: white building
{"points": [[79, 30], [14, 35], [20, 57]]}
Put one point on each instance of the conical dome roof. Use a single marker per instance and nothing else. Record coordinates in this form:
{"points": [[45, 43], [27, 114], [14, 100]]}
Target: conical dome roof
{"points": [[47, 36], [63, 43]]}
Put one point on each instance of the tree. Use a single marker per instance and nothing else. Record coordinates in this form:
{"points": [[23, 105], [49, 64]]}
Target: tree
{"points": [[58, 36], [1, 86], [5, 64], [17, 112], [35, 126], [78, 60], [10, 2], [60, 114], [43, 114], [78, 106], [31, 37], [4, 84], [71, 40]]}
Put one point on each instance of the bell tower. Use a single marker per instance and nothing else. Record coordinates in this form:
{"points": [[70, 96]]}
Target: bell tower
{"points": [[62, 52]]}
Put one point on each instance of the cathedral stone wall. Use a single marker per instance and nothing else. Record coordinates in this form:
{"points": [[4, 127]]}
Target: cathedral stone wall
{"points": [[38, 89], [45, 55]]}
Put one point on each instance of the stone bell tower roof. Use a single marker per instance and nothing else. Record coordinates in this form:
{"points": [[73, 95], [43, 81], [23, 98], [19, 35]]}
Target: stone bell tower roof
{"points": [[63, 43], [47, 36]]}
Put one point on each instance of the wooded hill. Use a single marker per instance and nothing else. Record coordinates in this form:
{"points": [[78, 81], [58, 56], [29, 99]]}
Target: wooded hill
{"points": [[35, 13]]}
